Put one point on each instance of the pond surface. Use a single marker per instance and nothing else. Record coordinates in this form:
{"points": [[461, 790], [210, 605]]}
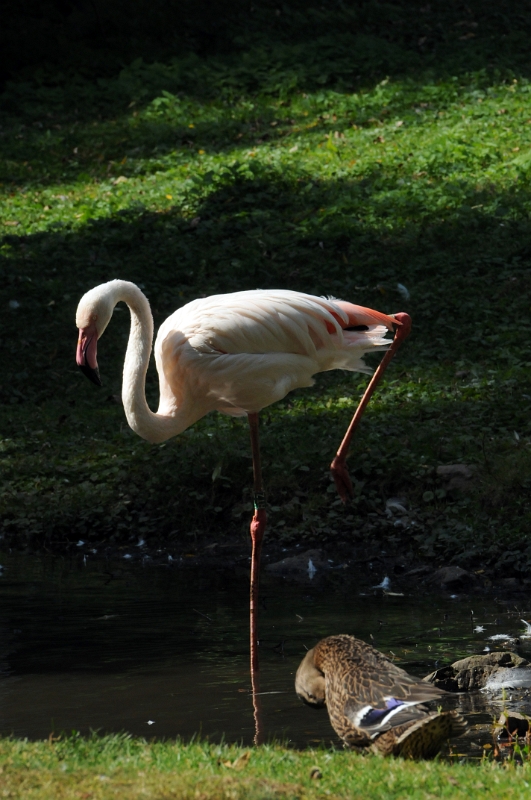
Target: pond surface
{"points": [[162, 650]]}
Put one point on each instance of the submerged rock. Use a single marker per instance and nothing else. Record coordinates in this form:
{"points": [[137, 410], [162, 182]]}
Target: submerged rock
{"points": [[455, 578], [305, 564], [473, 673]]}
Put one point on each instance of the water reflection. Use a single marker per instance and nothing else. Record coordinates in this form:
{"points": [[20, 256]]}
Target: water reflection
{"points": [[163, 651]]}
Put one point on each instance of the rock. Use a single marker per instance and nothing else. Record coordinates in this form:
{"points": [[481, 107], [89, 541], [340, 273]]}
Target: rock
{"points": [[454, 578], [512, 724], [415, 573], [509, 678], [472, 674], [456, 476], [509, 583], [300, 564], [395, 505]]}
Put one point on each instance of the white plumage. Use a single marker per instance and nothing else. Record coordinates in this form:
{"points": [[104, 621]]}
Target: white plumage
{"points": [[246, 350]]}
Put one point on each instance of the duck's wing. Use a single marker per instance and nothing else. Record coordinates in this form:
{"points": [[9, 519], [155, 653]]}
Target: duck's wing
{"points": [[373, 721], [374, 693], [377, 679], [368, 676]]}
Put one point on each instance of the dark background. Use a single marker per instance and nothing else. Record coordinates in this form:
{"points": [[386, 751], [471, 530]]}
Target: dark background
{"points": [[98, 38]]}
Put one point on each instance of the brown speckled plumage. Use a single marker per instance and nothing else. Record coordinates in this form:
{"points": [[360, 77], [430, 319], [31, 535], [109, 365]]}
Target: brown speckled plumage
{"points": [[372, 702]]}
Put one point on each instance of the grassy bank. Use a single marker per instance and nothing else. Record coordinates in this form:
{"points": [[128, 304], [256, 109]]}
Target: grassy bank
{"points": [[119, 766], [353, 152]]}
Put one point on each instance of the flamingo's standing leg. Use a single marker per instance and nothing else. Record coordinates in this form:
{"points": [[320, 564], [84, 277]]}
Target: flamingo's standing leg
{"points": [[258, 526], [338, 466]]}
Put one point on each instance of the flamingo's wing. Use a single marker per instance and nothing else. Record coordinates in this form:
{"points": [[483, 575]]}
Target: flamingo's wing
{"points": [[243, 351], [270, 321], [235, 384]]}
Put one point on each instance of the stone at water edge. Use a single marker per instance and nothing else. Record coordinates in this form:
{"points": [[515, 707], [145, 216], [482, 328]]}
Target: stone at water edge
{"points": [[471, 674], [455, 578], [510, 678], [299, 563]]}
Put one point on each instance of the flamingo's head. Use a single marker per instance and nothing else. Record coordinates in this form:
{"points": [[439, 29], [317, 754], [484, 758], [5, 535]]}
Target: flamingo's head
{"points": [[310, 682], [93, 315]]}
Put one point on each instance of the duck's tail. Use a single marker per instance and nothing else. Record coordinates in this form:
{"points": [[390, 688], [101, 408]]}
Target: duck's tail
{"points": [[422, 739]]}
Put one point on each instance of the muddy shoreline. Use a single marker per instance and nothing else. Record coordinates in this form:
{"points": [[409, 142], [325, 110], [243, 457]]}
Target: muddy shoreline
{"points": [[371, 568]]}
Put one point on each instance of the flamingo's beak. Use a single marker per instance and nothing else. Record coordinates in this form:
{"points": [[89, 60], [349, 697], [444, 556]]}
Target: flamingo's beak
{"points": [[362, 318], [86, 353]]}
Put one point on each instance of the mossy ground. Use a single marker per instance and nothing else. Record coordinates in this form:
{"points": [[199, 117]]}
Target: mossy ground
{"points": [[118, 766], [351, 150]]}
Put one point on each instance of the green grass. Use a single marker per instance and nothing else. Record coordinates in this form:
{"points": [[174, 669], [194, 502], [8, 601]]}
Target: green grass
{"points": [[119, 766], [328, 153]]}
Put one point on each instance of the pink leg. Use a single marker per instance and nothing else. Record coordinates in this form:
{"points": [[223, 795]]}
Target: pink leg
{"points": [[338, 466], [258, 526]]}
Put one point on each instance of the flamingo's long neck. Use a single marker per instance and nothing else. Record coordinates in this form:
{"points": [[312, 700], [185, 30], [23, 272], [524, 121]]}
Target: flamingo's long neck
{"points": [[144, 422]]}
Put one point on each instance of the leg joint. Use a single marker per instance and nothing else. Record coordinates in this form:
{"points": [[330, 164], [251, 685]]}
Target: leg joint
{"points": [[259, 500]]}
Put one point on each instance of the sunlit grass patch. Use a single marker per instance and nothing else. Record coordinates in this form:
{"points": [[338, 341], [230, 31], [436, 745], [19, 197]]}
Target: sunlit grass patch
{"points": [[118, 766]]}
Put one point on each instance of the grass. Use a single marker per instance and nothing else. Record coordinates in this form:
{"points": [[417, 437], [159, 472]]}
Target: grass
{"points": [[118, 766], [334, 153]]}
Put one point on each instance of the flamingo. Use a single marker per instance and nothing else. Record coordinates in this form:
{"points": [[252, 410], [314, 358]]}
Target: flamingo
{"points": [[235, 353]]}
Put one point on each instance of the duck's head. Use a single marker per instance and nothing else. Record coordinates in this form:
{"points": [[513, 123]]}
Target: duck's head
{"points": [[310, 682]]}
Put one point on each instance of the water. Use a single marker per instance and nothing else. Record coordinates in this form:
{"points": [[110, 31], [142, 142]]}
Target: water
{"points": [[162, 650]]}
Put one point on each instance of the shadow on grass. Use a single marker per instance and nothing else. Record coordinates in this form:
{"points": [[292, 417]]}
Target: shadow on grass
{"points": [[304, 40], [69, 60], [468, 275]]}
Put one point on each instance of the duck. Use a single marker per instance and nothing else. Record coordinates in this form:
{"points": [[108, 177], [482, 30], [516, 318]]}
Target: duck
{"points": [[372, 703]]}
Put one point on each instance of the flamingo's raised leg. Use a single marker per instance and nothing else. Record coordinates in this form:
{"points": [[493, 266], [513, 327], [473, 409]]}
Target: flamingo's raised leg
{"points": [[338, 466], [258, 526]]}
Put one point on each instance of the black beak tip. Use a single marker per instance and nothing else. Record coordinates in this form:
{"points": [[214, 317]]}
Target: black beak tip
{"points": [[92, 374]]}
